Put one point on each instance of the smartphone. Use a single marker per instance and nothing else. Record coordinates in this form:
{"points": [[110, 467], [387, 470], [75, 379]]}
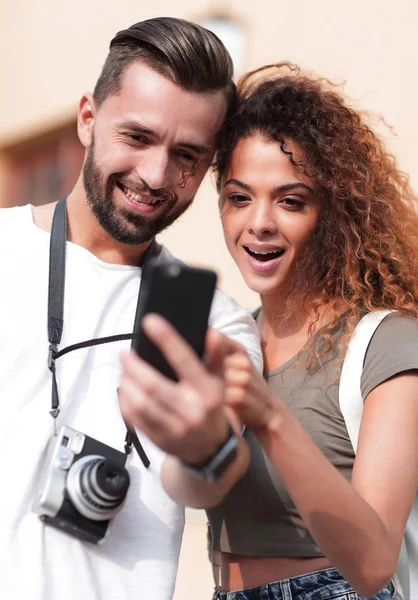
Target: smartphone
{"points": [[183, 296]]}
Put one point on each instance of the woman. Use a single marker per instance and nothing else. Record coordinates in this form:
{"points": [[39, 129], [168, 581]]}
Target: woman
{"points": [[321, 224]]}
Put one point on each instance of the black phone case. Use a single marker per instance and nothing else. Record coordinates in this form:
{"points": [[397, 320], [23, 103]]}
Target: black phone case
{"points": [[183, 296]]}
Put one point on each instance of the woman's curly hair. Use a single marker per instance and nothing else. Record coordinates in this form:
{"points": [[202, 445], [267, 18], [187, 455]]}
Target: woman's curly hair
{"points": [[364, 249]]}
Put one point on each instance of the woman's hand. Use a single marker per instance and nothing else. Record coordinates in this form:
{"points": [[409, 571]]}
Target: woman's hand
{"points": [[246, 392]]}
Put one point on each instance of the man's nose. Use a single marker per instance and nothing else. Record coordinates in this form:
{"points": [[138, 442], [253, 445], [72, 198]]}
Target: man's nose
{"points": [[154, 169]]}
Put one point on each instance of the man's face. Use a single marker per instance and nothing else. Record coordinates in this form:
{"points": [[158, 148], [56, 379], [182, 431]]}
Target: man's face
{"points": [[148, 148]]}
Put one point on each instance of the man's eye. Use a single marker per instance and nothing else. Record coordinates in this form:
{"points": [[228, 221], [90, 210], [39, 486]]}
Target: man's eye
{"points": [[137, 138], [187, 157]]}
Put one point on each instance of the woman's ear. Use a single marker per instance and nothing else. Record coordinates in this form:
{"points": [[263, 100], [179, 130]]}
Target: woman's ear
{"points": [[85, 119]]}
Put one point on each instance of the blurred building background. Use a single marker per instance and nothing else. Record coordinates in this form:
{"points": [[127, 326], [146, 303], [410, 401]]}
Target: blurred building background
{"points": [[51, 52]]}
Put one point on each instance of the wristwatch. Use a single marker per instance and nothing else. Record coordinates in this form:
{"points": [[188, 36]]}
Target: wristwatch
{"points": [[215, 465]]}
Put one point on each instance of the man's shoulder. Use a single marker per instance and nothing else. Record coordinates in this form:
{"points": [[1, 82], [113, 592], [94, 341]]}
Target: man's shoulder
{"points": [[14, 215], [166, 256], [237, 323]]}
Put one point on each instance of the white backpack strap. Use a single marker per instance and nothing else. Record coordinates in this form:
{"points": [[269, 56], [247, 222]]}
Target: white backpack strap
{"points": [[351, 401], [411, 545], [351, 405]]}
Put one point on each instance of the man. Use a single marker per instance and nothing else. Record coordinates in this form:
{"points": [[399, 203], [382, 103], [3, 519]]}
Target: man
{"points": [[148, 131]]}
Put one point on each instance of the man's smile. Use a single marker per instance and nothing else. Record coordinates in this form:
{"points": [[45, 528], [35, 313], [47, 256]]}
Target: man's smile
{"points": [[141, 198]]}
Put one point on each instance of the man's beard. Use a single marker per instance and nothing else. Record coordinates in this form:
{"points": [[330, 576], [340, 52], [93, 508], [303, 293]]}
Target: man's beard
{"points": [[124, 225]]}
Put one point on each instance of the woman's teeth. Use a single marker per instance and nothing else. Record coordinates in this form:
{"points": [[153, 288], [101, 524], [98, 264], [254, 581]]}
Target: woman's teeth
{"points": [[264, 256]]}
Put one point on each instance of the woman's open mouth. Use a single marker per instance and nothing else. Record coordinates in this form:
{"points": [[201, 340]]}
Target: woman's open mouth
{"points": [[263, 261], [264, 256]]}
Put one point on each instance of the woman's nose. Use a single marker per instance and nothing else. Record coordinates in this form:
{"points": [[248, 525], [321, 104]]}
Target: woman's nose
{"points": [[262, 220]]}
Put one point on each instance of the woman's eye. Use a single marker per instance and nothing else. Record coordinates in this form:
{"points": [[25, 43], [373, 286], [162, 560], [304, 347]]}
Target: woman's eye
{"points": [[293, 204], [238, 198]]}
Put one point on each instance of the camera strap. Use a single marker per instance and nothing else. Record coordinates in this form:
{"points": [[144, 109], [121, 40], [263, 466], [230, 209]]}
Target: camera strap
{"points": [[56, 288]]}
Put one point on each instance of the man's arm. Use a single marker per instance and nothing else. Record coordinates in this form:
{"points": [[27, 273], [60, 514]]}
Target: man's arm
{"points": [[187, 419], [189, 490]]}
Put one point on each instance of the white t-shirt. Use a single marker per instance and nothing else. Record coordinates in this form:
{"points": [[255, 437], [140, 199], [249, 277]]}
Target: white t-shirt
{"points": [[38, 562]]}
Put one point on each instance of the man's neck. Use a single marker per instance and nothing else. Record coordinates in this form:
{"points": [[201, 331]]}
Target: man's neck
{"points": [[84, 230]]}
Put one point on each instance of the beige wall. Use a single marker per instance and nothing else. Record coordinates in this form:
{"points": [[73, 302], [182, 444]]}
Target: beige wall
{"points": [[51, 52]]}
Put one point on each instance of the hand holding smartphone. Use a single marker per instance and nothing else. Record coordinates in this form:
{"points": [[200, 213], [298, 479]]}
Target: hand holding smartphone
{"points": [[183, 296]]}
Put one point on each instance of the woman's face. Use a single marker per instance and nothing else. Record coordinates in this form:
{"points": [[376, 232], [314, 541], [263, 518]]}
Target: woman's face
{"points": [[269, 210]]}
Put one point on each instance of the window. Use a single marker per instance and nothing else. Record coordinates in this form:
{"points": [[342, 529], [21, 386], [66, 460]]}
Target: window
{"points": [[231, 32], [42, 169]]}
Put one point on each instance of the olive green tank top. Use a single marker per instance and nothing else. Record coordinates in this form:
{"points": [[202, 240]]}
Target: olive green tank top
{"points": [[258, 516]]}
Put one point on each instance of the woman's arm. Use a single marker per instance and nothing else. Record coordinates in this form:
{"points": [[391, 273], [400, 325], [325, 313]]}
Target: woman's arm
{"points": [[358, 526]]}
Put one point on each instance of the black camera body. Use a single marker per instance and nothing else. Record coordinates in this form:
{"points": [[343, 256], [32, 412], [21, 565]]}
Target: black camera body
{"points": [[83, 485]]}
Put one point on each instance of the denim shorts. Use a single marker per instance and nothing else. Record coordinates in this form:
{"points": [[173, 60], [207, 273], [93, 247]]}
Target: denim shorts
{"points": [[327, 584]]}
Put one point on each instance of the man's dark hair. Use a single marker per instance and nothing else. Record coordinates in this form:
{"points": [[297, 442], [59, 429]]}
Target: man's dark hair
{"points": [[186, 53]]}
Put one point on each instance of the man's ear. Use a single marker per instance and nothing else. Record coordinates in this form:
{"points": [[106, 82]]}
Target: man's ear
{"points": [[85, 119]]}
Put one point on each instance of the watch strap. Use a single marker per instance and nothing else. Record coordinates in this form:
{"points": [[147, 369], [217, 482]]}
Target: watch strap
{"points": [[217, 464]]}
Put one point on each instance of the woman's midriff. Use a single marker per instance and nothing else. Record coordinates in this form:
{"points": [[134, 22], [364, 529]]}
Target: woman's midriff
{"points": [[239, 572]]}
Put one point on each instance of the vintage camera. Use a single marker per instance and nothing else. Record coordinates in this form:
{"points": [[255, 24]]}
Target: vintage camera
{"points": [[83, 486]]}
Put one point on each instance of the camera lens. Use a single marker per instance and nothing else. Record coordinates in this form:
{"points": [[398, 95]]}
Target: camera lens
{"points": [[111, 479], [97, 487]]}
